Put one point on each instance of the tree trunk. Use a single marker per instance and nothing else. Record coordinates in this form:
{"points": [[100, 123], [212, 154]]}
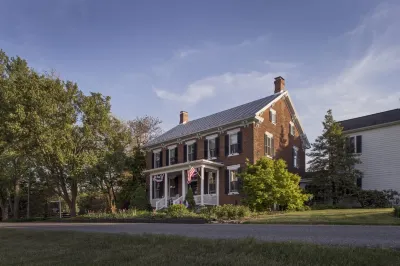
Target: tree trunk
{"points": [[17, 191], [113, 204], [4, 211], [74, 194]]}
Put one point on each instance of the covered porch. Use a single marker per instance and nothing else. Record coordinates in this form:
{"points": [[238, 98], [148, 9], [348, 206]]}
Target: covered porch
{"points": [[169, 185]]}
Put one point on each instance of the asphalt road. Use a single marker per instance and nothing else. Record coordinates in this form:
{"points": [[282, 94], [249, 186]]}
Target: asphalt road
{"points": [[372, 236]]}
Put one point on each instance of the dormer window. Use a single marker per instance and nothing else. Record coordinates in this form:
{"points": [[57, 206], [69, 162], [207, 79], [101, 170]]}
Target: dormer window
{"points": [[272, 116]]}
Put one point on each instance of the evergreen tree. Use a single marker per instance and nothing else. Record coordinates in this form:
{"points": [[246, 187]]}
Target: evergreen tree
{"points": [[332, 165]]}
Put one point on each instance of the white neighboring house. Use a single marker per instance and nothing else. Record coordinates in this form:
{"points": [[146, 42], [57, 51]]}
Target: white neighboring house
{"points": [[376, 138]]}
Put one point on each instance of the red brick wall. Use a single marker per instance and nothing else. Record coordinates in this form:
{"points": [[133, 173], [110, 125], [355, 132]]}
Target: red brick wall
{"points": [[283, 141]]}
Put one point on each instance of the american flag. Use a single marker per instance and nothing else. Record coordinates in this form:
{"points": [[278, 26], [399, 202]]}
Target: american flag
{"points": [[191, 173]]}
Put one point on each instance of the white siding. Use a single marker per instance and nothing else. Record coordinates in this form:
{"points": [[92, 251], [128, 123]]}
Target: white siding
{"points": [[380, 158]]}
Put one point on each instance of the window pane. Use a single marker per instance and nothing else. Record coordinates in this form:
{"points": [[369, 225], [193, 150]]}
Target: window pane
{"points": [[233, 138], [351, 145], [211, 148]]}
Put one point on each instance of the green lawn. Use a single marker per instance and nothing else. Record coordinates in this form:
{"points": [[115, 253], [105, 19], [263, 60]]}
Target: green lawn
{"points": [[334, 216], [74, 248]]}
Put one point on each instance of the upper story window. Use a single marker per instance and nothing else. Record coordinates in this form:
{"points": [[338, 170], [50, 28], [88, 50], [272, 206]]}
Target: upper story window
{"points": [[354, 144], [269, 144], [157, 158], [190, 151], [172, 155], [233, 141], [292, 128], [272, 116], [211, 144], [295, 157]]}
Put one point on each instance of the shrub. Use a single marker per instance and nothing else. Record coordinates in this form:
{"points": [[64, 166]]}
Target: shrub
{"points": [[190, 199], [139, 199], [231, 212], [268, 182], [396, 212], [208, 212], [373, 199], [177, 211]]}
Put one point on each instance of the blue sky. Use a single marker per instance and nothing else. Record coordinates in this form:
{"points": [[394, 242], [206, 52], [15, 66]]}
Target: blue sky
{"points": [[161, 57]]}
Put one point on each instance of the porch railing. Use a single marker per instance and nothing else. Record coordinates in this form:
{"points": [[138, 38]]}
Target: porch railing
{"points": [[162, 203], [209, 199], [178, 200]]}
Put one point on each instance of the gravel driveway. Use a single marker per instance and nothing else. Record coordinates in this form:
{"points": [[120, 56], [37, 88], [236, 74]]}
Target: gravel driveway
{"points": [[373, 236]]}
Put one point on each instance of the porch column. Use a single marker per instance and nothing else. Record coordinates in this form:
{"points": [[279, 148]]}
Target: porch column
{"points": [[151, 188], [202, 186], [217, 187], [166, 188], [183, 186]]}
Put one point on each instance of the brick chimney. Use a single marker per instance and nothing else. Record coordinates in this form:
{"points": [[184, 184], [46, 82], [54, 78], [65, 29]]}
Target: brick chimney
{"points": [[279, 84], [183, 117]]}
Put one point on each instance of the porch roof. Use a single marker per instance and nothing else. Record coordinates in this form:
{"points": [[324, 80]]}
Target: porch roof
{"points": [[184, 166]]}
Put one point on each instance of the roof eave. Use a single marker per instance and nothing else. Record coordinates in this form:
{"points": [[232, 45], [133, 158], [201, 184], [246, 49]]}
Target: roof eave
{"points": [[371, 127]]}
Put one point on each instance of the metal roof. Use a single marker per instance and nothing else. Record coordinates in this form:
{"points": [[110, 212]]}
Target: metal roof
{"points": [[371, 120], [216, 120]]}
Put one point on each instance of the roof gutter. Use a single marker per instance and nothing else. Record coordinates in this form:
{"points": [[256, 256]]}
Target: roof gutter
{"points": [[371, 127]]}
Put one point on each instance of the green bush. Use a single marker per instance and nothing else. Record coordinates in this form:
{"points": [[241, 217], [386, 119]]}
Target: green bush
{"points": [[373, 199], [231, 212], [208, 212], [190, 199], [177, 211], [268, 182], [396, 212], [139, 199]]}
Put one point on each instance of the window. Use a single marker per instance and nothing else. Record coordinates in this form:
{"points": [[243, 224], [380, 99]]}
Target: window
{"points": [[292, 129], [190, 152], [157, 159], [172, 156], [233, 143], [295, 157], [211, 183], [272, 116], [359, 182], [355, 144], [269, 144], [212, 151], [158, 189], [233, 182]]}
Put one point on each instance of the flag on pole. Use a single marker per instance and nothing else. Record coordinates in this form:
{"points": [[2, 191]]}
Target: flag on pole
{"points": [[191, 172]]}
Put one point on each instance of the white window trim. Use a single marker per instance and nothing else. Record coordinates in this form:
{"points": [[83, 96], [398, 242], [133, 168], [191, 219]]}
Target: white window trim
{"points": [[210, 174], [233, 131], [157, 151], [190, 142], [232, 168], [294, 128], [212, 136], [169, 157], [172, 147], [270, 136], [355, 143], [208, 146], [274, 112], [297, 157]]}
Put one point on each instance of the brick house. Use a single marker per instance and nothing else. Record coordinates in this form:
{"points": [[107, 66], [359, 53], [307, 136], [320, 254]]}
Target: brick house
{"points": [[218, 145]]}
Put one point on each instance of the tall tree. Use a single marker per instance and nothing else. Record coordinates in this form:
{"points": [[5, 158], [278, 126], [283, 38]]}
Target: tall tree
{"points": [[332, 165], [144, 129], [106, 176]]}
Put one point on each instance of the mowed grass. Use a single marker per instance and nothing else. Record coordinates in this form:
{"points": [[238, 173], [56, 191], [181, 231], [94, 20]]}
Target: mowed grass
{"points": [[333, 216], [23, 247]]}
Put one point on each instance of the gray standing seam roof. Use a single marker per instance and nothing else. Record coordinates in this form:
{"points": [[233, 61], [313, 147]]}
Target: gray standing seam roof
{"points": [[371, 120], [216, 120]]}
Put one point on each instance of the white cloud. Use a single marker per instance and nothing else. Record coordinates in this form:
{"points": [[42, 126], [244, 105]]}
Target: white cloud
{"points": [[368, 83], [186, 53], [239, 86]]}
